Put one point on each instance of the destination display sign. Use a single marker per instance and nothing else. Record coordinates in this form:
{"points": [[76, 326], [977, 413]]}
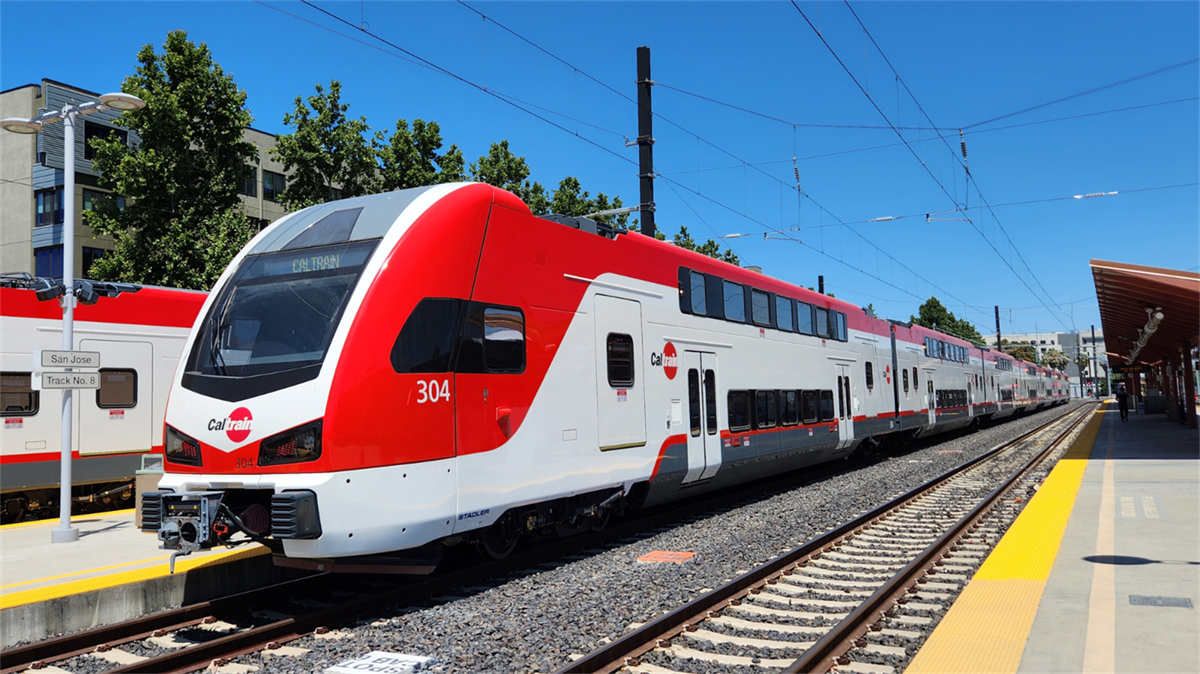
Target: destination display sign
{"points": [[1132, 369], [90, 359], [70, 380]]}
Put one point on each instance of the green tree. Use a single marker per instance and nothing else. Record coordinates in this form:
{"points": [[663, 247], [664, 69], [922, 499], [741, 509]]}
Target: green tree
{"points": [[933, 315], [326, 155], [1025, 352], [711, 248], [571, 199], [412, 158], [501, 168], [183, 220], [1055, 359]]}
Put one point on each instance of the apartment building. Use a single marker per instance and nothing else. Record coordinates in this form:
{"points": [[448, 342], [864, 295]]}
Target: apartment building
{"points": [[32, 181]]}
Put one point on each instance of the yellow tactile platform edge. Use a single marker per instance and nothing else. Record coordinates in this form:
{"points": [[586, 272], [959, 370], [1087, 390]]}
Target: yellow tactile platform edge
{"points": [[55, 521], [987, 627], [124, 578]]}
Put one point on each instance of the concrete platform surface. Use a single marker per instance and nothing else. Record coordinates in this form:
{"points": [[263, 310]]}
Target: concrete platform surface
{"points": [[114, 572], [109, 545], [1100, 573]]}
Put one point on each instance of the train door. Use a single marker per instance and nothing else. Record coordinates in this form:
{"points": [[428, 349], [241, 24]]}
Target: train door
{"points": [[845, 407], [704, 437], [620, 380], [930, 398], [970, 395], [119, 416]]}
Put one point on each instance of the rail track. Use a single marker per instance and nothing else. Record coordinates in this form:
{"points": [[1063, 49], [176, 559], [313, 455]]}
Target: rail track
{"points": [[859, 597], [192, 637]]}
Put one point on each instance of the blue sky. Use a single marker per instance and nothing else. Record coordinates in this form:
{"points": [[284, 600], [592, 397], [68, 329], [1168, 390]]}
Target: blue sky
{"points": [[964, 63]]}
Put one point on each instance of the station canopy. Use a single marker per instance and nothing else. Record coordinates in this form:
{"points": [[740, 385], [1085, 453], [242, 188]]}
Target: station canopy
{"points": [[1126, 291]]}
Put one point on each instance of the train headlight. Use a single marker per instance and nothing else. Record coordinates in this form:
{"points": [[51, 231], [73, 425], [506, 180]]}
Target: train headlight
{"points": [[293, 446], [179, 448]]}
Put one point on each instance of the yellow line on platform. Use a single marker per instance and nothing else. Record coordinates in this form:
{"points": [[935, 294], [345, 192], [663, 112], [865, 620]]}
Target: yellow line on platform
{"points": [[74, 518], [81, 586], [79, 573], [987, 627]]}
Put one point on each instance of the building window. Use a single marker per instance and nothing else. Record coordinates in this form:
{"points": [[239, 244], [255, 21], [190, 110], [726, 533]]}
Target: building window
{"points": [[90, 255], [92, 199], [735, 302], [620, 360], [250, 184], [48, 261], [273, 185], [49, 206], [93, 130], [17, 397]]}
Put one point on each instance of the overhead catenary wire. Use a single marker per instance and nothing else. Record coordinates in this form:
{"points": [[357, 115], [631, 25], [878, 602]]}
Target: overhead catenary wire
{"points": [[916, 156]]}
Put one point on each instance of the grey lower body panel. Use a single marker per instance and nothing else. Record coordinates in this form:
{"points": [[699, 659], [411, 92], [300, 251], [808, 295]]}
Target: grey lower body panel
{"points": [[84, 470]]}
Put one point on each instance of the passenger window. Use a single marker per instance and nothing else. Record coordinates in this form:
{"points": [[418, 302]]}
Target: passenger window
{"points": [[841, 320], [694, 401], [760, 303], [870, 375], [804, 318], [739, 410], [699, 300], [17, 397], [822, 322], [504, 340], [905, 381], [849, 400], [783, 314], [118, 389], [827, 405], [735, 302], [810, 408], [915, 386], [710, 401], [765, 409], [620, 360], [426, 342], [791, 408]]}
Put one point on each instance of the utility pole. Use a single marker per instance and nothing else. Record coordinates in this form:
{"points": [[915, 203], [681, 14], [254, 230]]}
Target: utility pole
{"points": [[821, 284], [1095, 384], [645, 142], [998, 348]]}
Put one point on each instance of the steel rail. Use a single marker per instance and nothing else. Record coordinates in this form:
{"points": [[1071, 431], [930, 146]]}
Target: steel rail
{"points": [[824, 653], [70, 645], [616, 654]]}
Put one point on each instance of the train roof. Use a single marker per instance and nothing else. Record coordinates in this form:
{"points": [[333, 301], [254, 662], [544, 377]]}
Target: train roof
{"points": [[152, 305]]}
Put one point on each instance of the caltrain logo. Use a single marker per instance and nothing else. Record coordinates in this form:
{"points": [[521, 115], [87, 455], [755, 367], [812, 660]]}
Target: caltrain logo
{"points": [[236, 425], [667, 360]]}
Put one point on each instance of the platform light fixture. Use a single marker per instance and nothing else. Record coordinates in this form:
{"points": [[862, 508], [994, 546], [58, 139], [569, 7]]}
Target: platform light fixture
{"points": [[68, 115]]}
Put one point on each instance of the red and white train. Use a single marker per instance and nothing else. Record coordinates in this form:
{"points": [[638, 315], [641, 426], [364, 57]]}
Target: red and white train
{"points": [[139, 337], [403, 371]]}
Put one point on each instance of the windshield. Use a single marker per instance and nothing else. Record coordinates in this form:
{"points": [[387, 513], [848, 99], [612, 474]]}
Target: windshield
{"points": [[279, 311]]}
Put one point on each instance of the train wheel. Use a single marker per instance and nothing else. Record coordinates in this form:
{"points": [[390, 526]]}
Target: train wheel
{"points": [[499, 540], [12, 511], [599, 523]]}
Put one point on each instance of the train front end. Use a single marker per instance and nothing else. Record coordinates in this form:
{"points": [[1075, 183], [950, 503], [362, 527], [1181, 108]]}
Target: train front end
{"points": [[285, 425]]}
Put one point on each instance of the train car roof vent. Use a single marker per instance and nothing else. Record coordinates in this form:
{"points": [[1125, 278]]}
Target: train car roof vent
{"points": [[582, 224]]}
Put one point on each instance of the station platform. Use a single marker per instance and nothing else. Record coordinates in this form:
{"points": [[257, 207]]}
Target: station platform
{"points": [[112, 573], [1100, 572]]}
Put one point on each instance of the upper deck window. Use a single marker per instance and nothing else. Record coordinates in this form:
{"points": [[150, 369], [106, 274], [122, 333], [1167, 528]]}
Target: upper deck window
{"points": [[783, 314], [760, 302], [699, 300], [735, 302]]}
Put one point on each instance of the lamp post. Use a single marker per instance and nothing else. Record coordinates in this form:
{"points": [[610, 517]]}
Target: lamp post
{"points": [[68, 115]]}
